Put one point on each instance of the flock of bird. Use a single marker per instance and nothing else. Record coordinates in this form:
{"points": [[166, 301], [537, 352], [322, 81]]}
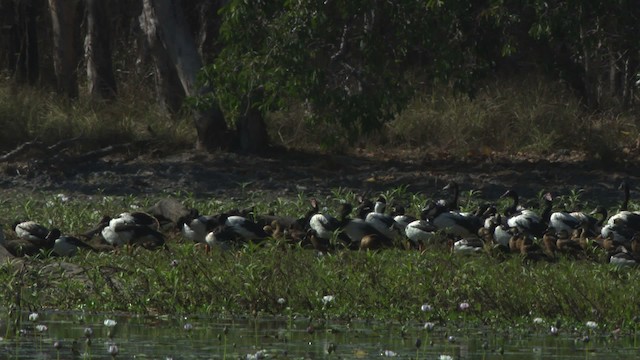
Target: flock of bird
{"points": [[531, 234]]}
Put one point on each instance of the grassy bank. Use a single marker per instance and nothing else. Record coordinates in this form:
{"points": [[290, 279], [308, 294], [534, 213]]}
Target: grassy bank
{"points": [[281, 279], [527, 113]]}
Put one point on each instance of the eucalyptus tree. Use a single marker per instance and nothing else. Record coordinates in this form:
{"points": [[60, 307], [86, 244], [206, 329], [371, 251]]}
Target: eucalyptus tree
{"points": [[353, 63]]}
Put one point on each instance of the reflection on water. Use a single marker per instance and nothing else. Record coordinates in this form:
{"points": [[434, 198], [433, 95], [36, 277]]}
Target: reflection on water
{"points": [[284, 338]]}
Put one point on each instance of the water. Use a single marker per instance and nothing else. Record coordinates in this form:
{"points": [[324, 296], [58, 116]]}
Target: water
{"points": [[283, 338]]}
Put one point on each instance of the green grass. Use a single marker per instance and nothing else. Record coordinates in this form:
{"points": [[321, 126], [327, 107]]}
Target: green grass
{"points": [[389, 285]]}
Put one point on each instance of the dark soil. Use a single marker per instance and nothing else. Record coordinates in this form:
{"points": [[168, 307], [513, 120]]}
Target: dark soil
{"points": [[281, 173]]}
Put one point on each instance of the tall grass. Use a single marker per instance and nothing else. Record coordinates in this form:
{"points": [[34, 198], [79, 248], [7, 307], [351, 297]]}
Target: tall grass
{"points": [[31, 113], [525, 113]]}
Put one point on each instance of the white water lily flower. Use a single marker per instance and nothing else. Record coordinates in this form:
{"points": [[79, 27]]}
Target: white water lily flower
{"points": [[389, 353], [553, 330], [41, 328], [110, 323], [445, 357], [327, 299], [592, 324], [281, 301], [429, 326], [113, 350], [538, 320], [426, 307], [464, 306], [62, 197], [34, 317]]}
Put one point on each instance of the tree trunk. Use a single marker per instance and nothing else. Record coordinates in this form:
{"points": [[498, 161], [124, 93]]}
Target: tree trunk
{"points": [[65, 59], [163, 23], [23, 46], [97, 51], [251, 127]]}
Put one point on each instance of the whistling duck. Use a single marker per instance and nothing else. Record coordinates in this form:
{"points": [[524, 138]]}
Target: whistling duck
{"points": [[374, 242], [527, 220], [566, 245], [608, 243], [550, 241]]}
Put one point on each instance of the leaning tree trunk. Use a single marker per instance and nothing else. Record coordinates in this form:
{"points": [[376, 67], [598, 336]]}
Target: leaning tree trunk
{"points": [[63, 19], [163, 22], [97, 51]]}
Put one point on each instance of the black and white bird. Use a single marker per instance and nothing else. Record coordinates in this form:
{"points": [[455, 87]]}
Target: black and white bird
{"points": [[66, 245], [385, 224], [420, 232], [31, 231], [630, 219], [452, 222], [235, 229], [526, 220], [451, 204], [133, 229], [400, 217], [30, 241], [196, 227], [324, 225], [357, 228], [468, 246]]}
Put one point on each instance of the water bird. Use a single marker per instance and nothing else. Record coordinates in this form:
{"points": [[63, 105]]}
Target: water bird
{"points": [[30, 230], [133, 229], [527, 220], [30, 245], [196, 227], [66, 245], [400, 217]]}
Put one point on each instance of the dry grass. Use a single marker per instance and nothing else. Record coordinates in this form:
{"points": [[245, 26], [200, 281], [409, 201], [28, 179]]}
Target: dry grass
{"points": [[523, 114], [30, 113], [520, 114]]}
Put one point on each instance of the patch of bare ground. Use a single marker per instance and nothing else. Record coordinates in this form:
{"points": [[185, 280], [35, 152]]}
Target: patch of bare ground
{"points": [[147, 171]]}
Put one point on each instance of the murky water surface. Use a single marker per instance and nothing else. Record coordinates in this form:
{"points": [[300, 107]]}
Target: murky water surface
{"points": [[284, 338]]}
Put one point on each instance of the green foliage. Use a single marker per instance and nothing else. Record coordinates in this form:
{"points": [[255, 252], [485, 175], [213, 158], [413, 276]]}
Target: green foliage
{"points": [[349, 62]]}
